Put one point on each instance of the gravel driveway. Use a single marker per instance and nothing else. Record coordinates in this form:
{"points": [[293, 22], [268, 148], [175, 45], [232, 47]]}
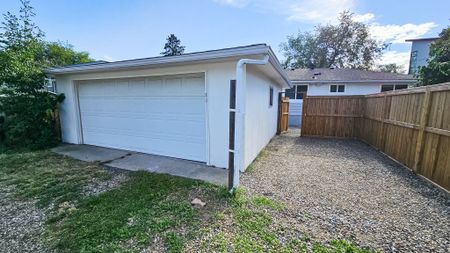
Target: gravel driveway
{"points": [[344, 189]]}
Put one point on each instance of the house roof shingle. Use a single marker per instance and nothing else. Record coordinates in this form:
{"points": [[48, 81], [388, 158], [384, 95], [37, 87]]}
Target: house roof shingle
{"points": [[337, 74]]}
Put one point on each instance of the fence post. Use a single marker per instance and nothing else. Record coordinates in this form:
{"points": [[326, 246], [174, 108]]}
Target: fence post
{"points": [[304, 112], [385, 116], [425, 109]]}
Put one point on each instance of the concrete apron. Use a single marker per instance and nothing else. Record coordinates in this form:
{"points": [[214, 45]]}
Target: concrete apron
{"points": [[128, 160]]}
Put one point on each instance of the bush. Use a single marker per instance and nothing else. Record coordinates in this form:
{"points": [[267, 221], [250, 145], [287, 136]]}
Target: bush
{"points": [[29, 121]]}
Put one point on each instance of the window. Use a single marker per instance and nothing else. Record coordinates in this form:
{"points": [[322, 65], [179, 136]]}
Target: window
{"points": [[337, 88], [297, 92], [413, 62], [401, 86], [389, 87], [301, 91], [50, 84], [271, 96], [290, 93]]}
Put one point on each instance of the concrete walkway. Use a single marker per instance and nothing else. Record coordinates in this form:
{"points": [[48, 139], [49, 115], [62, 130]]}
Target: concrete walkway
{"points": [[134, 161]]}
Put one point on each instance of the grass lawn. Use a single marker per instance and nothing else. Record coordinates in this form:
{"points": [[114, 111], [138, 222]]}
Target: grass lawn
{"points": [[147, 211]]}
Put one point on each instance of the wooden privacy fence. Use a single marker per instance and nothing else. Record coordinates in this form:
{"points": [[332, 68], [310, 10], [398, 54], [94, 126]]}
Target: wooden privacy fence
{"points": [[412, 126]]}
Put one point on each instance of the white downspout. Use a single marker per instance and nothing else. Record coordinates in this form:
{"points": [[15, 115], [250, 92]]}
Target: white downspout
{"points": [[239, 152]]}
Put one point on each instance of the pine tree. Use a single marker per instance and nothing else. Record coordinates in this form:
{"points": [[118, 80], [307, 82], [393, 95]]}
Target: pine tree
{"points": [[173, 46]]}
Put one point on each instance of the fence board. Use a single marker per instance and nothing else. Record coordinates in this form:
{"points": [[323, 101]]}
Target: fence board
{"points": [[283, 114], [412, 126]]}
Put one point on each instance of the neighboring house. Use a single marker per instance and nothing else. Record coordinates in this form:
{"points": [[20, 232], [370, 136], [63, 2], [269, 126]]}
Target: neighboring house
{"points": [[338, 82], [175, 106], [420, 51]]}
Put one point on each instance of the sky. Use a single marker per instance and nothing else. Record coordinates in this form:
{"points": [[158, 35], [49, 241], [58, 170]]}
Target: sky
{"points": [[116, 29]]}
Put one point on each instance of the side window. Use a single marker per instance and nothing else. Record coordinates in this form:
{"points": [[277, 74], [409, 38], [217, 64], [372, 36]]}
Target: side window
{"points": [[297, 92], [387, 87], [401, 86], [301, 91], [333, 88], [271, 96], [337, 88], [50, 84], [413, 62], [290, 93]]}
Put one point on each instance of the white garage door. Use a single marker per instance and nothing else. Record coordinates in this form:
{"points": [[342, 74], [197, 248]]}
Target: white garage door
{"points": [[164, 115]]}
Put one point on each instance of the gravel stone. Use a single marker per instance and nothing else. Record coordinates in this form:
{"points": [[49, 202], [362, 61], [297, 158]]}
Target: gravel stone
{"points": [[97, 186], [344, 189], [22, 224]]}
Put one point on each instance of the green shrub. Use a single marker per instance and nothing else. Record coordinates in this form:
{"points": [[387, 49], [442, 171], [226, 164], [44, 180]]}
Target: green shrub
{"points": [[27, 112], [29, 121]]}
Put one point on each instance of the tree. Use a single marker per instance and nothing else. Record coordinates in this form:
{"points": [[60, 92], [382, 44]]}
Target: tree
{"points": [[60, 54], [391, 67], [173, 46], [17, 31], [438, 68], [27, 111], [345, 45]]}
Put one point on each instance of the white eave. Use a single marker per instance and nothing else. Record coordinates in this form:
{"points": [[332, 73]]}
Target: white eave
{"points": [[213, 55], [396, 81]]}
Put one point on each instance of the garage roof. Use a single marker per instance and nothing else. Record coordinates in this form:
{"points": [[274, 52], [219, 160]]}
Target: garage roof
{"points": [[210, 55]]}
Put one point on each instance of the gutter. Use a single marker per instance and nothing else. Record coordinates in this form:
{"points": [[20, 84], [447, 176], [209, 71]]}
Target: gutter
{"points": [[276, 64], [239, 133]]}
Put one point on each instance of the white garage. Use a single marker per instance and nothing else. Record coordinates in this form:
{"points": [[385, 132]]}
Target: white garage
{"points": [[149, 115], [177, 106]]}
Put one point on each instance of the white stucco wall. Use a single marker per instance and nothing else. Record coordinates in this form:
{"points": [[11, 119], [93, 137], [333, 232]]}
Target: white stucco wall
{"points": [[260, 118], [217, 78], [261, 121]]}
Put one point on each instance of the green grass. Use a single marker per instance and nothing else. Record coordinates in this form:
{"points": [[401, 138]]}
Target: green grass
{"points": [[47, 177], [145, 206], [125, 219], [148, 211]]}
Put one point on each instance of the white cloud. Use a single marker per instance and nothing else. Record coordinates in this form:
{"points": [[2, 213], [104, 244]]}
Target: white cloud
{"points": [[234, 3], [364, 17], [324, 11], [399, 58], [399, 33], [318, 10]]}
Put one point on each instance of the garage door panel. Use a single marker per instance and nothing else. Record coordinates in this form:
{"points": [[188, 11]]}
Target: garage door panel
{"points": [[141, 125], [164, 116], [161, 146], [178, 105]]}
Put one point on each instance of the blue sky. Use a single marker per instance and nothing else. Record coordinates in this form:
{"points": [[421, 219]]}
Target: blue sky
{"points": [[116, 30]]}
